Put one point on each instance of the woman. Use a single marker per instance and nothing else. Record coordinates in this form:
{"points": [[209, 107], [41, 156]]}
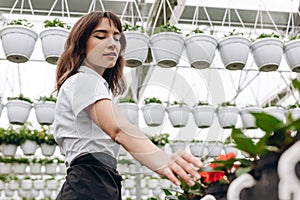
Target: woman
{"points": [[89, 127]]}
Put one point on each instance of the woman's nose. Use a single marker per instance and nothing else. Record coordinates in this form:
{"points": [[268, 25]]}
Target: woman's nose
{"points": [[112, 43]]}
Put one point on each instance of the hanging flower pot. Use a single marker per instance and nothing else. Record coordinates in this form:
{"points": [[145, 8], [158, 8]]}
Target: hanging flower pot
{"points": [[50, 168], [48, 150], [247, 118], [26, 184], [18, 40], [178, 145], [5, 168], [200, 50], [178, 114], [9, 149], [38, 184], [18, 109], [234, 50], [295, 112], [13, 184], [276, 111], [203, 115], [130, 109], [51, 184], [19, 168], [198, 149], [153, 111], [291, 50], [267, 52], [45, 110], [29, 147], [53, 39], [167, 45], [136, 48], [35, 168], [214, 148], [227, 115]]}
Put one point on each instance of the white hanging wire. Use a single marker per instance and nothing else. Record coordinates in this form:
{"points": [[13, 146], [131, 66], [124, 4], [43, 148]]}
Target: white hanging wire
{"points": [[93, 5], [19, 79], [289, 86], [22, 6], [63, 3], [172, 84], [132, 5]]}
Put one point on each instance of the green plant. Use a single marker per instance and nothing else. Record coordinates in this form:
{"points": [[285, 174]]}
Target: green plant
{"points": [[179, 103], [295, 37], [47, 98], [195, 31], [126, 100], [227, 103], [202, 103], [125, 162], [129, 27], [233, 33], [11, 136], [21, 22], [152, 100], [20, 97], [168, 28], [27, 134], [161, 139], [56, 23], [20, 160], [264, 35]]}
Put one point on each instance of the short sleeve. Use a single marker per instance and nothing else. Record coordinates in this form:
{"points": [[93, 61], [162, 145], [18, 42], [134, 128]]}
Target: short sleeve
{"points": [[88, 89]]}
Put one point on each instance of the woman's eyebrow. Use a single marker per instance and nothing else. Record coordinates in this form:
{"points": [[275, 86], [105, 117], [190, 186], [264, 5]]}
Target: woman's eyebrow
{"points": [[105, 31]]}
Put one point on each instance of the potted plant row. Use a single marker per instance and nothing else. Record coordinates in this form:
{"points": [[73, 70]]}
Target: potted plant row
{"points": [[19, 107], [21, 30]]}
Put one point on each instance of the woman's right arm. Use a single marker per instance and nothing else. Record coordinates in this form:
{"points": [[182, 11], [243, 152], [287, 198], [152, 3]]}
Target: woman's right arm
{"points": [[107, 116]]}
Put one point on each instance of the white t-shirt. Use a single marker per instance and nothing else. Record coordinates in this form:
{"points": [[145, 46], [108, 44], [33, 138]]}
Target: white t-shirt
{"points": [[74, 131]]}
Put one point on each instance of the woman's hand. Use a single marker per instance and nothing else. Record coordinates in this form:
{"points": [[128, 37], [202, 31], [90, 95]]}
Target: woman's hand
{"points": [[183, 165]]}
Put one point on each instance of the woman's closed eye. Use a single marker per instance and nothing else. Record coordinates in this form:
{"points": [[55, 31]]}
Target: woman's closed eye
{"points": [[116, 38]]}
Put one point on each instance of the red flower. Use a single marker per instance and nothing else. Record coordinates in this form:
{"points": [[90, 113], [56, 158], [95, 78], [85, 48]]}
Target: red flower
{"points": [[222, 157], [209, 177]]}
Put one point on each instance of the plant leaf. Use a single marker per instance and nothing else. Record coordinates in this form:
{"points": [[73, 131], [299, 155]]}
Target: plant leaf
{"points": [[243, 142], [267, 122]]}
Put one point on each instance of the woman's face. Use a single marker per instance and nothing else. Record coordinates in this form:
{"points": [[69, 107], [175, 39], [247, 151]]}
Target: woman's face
{"points": [[103, 46]]}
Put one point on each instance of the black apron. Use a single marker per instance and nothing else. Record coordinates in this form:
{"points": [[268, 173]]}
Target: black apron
{"points": [[92, 177]]}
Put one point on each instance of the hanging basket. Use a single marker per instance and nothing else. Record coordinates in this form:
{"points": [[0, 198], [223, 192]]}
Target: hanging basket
{"points": [[35, 168], [178, 115], [200, 50], [203, 115], [247, 118], [9, 149], [53, 40], [29, 147], [18, 111], [295, 112], [227, 116], [267, 53], [19, 168], [167, 48], [291, 52], [178, 146], [275, 111], [130, 110], [44, 112], [18, 42], [234, 51], [198, 149], [153, 114], [137, 46], [47, 150]]}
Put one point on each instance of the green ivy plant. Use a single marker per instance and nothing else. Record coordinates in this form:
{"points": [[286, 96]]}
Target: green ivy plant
{"points": [[47, 98], [195, 31], [179, 103], [233, 33], [20, 22], [227, 103], [20, 97], [127, 100], [11, 136], [152, 100], [202, 103], [56, 23], [264, 35], [168, 28], [129, 27], [296, 37], [161, 139]]}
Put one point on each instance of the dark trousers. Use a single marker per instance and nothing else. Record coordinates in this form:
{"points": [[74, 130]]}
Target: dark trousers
{"points": [[88, 178]]}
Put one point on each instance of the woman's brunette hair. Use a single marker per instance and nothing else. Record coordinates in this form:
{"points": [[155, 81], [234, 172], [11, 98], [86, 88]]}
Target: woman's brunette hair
{"points": [[75, 46]]}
